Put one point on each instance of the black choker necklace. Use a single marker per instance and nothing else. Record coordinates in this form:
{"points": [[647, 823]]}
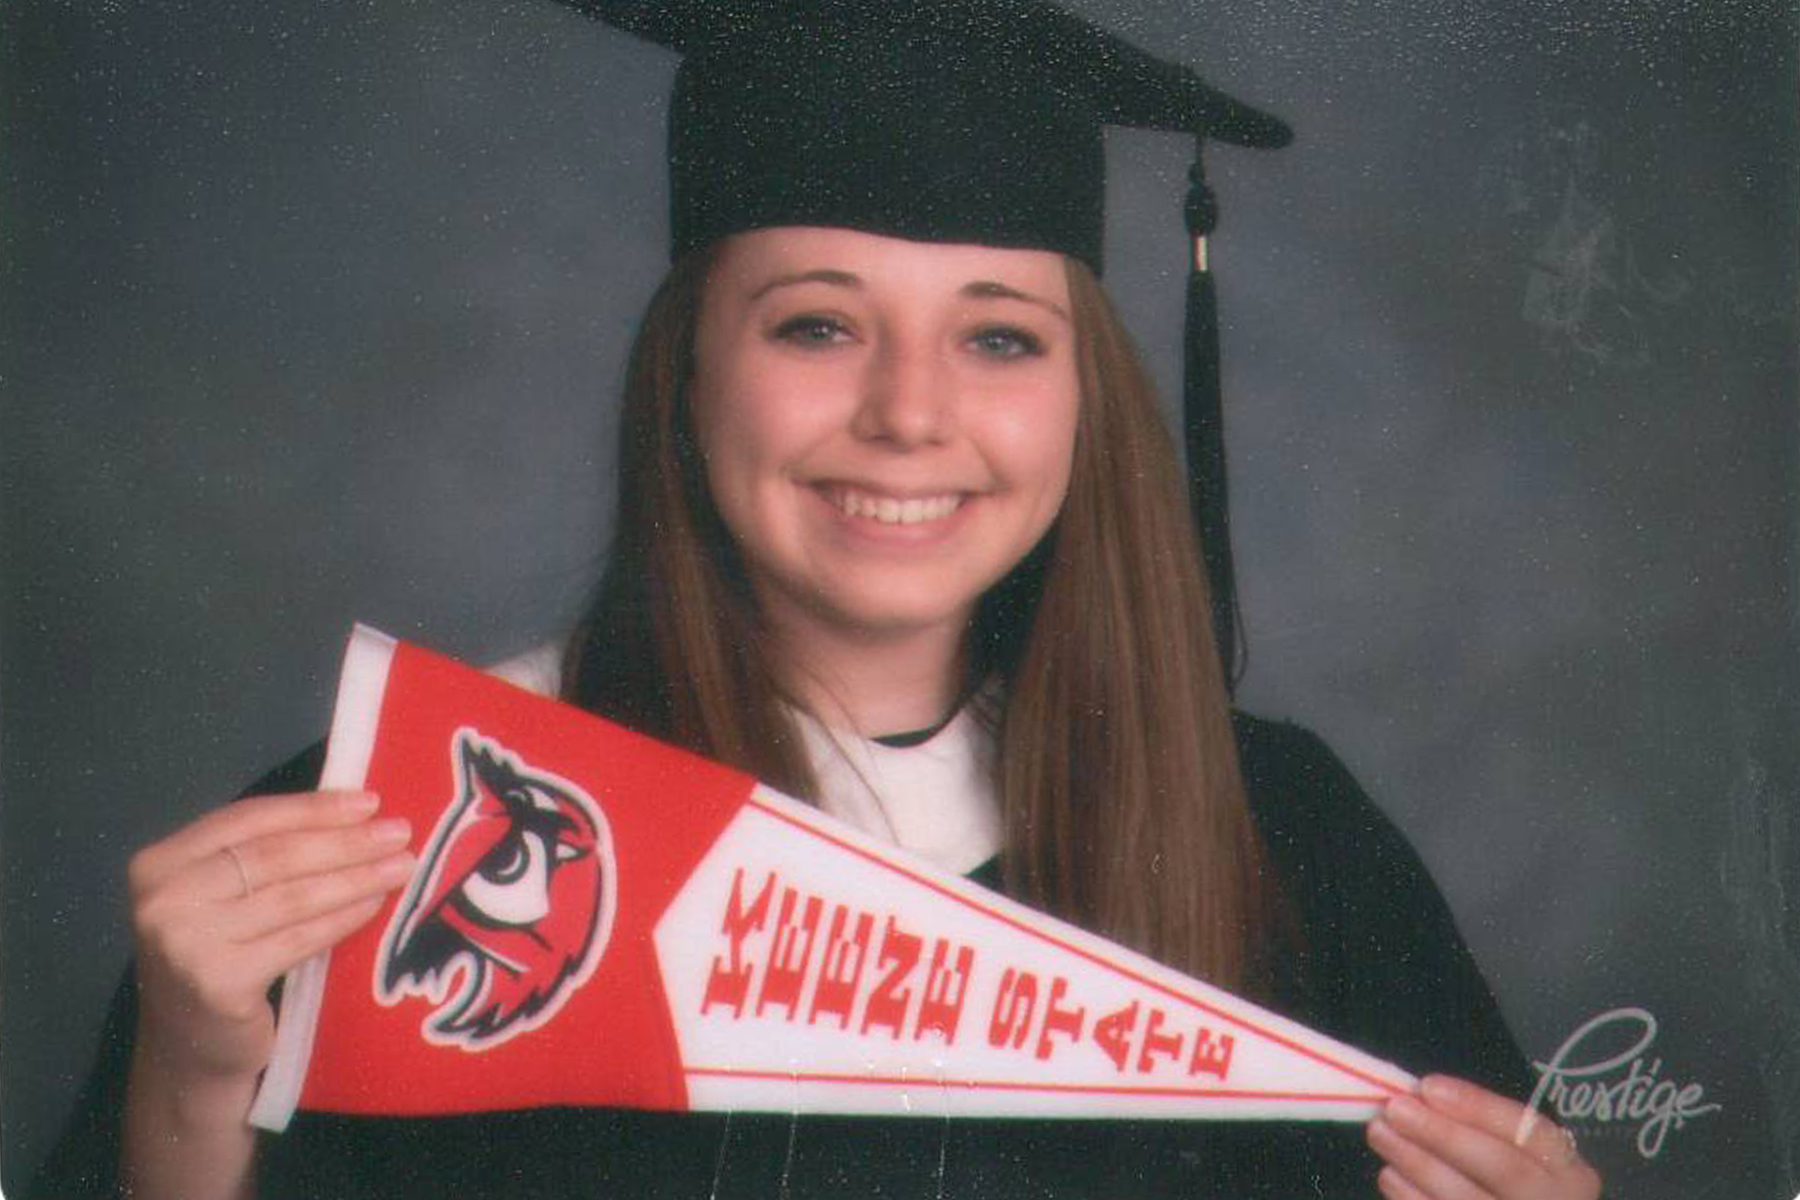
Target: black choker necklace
{"points": [[916, 737]]}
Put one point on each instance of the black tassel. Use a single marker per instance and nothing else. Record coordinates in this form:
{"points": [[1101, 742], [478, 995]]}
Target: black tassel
{"points": [[1203, 427]]}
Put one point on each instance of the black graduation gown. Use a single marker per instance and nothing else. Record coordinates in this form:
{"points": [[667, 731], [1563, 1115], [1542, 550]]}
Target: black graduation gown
{"points": [[1382, 967]]}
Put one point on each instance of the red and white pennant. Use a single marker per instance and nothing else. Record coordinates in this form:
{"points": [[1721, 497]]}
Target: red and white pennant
{"points": [[600, 919]]}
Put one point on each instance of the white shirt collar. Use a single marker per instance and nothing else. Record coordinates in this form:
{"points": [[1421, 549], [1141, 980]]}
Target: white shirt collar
{"points": [[935, 799]]}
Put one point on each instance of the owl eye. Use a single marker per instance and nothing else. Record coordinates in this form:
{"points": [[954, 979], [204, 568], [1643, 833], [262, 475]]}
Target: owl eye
{"points": [[507, 862], [512, 885]]}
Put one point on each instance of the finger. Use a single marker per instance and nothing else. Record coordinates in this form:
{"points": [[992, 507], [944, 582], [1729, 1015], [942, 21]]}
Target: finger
{"points": [[255, 817], [1393, 1185], [1500, 1117], [273, 955], [236, 988], [1494, 1162], [298, 901], [277, 858], [1417, 1166]]}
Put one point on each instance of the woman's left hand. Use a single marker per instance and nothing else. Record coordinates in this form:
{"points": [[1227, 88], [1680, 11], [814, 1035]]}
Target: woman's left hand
{"points": [[1456, 1141]]}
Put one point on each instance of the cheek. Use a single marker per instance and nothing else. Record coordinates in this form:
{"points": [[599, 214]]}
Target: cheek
{"points": [[1060, 438], [733, 434], [1056, 453], [758, 422], [748, 443], [716, 399], [726, 418], [1039, 441]]}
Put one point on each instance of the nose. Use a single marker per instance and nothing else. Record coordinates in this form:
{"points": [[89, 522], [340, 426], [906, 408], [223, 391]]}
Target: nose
{"points": [[906, 396]]}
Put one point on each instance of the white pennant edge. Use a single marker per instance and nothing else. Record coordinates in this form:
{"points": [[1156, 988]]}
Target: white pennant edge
{"points": [[355, 718]]}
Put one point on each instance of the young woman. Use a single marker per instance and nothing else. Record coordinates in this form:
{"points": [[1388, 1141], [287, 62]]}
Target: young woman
{"points": [[895, 503]]}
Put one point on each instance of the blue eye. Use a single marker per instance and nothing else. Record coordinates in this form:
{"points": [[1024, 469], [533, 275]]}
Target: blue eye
{"points": [[811, 331], [1006, 341]]}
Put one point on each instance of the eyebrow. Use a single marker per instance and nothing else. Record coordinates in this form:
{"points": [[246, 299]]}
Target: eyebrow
{"points": [[823, 275], [989, 289], [980, 289]]}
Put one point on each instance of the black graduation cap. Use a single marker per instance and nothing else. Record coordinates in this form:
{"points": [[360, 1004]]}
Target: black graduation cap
{"points": [[942, 120]]}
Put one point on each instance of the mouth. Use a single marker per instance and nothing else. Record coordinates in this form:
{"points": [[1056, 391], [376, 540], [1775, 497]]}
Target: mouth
{"points": [[892, 510]]}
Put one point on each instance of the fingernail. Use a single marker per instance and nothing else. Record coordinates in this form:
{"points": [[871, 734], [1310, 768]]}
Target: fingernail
{"points": [[362, 803], [1405, 1112], [1381, 1131], [1439, 1088], [398, 868], [391, 831]]}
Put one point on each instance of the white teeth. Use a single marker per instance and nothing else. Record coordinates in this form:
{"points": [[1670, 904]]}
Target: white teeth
{"points": [[890, 511]]}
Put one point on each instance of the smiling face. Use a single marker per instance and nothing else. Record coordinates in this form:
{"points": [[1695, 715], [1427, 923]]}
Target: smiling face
{"points": [[887, 426]]}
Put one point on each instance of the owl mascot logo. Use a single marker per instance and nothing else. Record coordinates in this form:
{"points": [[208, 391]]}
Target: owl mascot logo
{"points": [[511, 908]]}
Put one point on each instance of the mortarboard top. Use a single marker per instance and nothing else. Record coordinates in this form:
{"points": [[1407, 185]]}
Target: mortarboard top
{"points": [[947, 120]]}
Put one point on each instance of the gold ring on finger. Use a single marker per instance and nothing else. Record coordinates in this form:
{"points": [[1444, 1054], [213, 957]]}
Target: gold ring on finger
{"points": [[243, 872]]}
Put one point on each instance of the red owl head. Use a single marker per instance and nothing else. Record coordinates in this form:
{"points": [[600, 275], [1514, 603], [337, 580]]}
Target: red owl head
{"points": [[512, 905]]}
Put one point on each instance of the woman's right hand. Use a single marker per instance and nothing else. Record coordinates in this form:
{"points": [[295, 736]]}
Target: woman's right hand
{"points": [[224, 906]]}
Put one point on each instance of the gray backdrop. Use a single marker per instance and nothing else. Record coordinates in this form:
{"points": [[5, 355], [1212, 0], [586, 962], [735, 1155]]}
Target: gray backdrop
{"points": [[315, 312]]}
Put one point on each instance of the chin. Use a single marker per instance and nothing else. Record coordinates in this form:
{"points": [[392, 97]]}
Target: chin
{"points": [[889, 616]]}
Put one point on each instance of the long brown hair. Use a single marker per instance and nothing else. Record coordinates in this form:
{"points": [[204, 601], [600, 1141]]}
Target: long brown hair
{"points": [[1117, 773]]}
